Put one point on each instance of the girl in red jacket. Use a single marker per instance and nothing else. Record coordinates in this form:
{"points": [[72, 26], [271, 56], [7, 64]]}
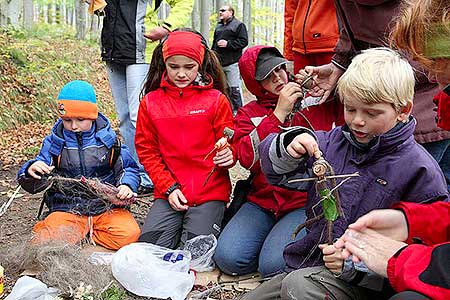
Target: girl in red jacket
{"points": [[182, 115]]}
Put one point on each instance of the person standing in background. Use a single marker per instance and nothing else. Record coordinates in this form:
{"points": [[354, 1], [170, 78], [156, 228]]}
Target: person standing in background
{"points": [[230, 38], [310, 34], [129, 35]]}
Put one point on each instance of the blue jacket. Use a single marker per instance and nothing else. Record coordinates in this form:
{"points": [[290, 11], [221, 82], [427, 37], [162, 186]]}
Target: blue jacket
{"points": [[81, 154], [393, 168]]}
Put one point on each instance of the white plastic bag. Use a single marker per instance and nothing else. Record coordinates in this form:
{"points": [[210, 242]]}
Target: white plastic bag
{"points": [[29, 288], [151, 271], [202, 249]]}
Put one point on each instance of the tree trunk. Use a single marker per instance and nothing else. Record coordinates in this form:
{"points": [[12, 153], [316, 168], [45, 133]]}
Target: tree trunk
{"points": [[13, 9], [195, 16], [204, 18], [36, 12], [3, 9], [80, 19], [44, 16], [247, 19], [219, 4], [27, 13]]}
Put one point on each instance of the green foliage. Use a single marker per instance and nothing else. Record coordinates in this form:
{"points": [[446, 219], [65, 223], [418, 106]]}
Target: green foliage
{"points": [[31, 151], [36, 64], [113, 293]]}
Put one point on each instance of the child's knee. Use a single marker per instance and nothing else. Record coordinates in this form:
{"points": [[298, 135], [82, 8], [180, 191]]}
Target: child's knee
{"points": [[59, 226]]}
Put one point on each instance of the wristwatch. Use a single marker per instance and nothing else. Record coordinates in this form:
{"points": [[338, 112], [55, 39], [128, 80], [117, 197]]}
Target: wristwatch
{"points": [[172, 188]]}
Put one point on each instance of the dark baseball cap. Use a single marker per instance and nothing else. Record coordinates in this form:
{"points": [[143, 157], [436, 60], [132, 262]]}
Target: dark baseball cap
{"points": [[268, 60]]}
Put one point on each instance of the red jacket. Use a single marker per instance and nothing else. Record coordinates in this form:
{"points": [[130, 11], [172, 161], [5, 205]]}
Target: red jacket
{"points": [[443, 110], [253, 123], [309, 27], [175, 130], [424, 268]]}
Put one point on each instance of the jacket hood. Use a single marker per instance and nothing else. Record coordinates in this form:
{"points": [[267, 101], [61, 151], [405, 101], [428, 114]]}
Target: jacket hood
{"points": [[247, 68], [101, 129]]}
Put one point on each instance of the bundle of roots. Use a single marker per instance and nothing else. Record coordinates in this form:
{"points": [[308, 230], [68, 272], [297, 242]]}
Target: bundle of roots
{"points": [[57, 264], [89, 188]]}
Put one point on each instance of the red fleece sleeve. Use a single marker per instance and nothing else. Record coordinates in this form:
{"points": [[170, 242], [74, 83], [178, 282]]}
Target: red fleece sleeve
{"points": [[147, 148], [429, 222], [248, 135], [422, 269]]}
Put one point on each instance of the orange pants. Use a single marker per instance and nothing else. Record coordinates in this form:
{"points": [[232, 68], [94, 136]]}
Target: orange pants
{"points": [[112, 229]]}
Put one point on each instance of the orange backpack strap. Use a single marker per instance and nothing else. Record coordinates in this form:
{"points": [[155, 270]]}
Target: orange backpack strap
{"points": [[115, 153]]}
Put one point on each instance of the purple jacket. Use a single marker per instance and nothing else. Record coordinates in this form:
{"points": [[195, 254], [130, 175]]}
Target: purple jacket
{"points": [[393, 168]]}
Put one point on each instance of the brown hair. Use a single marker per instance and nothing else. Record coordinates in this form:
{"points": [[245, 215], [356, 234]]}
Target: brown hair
{"points": [[417, 19], [211, 66]]}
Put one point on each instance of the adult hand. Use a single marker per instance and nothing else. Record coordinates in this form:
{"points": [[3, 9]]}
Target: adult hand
{"points": [[332, 257], [222, 43], [325, 79], [388, 222], [372, 248], [177, 200], [224, 157], [156, 33], [286, 100], [39, 168]]}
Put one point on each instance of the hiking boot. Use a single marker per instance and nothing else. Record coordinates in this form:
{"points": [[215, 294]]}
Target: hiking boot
{"points": [[144, 191]]}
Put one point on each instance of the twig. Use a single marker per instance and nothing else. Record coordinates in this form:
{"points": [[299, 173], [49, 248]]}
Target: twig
{"points": [[206, 292], [7, 204], [106, 287], [356, 174]]}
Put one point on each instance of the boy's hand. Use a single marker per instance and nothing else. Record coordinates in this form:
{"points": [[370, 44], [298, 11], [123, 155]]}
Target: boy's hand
{"points": [[39, 168], [332, 257], [124, 192], [286, 100], [177, 200], [303, 143], [224, 157]]}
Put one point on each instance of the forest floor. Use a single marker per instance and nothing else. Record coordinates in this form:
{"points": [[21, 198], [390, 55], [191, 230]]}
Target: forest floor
{"points": [[22, 141], [17, 222]]}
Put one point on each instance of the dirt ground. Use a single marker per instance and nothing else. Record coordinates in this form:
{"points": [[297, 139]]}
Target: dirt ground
{"points": [[16, 147]]}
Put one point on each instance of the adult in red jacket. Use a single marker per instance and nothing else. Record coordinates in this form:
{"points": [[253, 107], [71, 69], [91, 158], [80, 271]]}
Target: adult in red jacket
{"points": [[410, 245], [419, 268], [310, 35], [255, 237]]}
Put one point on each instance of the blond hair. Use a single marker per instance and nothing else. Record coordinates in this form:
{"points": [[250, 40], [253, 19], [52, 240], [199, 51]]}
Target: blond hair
{"points": [[378, 75], [417, 20]]}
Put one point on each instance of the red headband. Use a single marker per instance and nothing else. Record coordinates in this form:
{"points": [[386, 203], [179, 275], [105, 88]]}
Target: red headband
{"points": [[184, 43]]}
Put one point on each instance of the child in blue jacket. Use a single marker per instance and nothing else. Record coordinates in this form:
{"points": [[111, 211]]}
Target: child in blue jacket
{"points": [[82, 144]]}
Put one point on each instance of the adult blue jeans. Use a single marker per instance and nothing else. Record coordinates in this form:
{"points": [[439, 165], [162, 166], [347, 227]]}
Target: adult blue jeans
{"points": [[126, 83], [254, 240], [440, 151], [234, 84]]}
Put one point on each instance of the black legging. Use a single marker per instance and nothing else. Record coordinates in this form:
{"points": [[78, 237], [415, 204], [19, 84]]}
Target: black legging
{"points": [[408, 295]]}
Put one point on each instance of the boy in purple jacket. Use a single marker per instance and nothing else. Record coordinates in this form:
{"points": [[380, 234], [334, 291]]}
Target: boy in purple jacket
{"points": [[377, 141]]}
